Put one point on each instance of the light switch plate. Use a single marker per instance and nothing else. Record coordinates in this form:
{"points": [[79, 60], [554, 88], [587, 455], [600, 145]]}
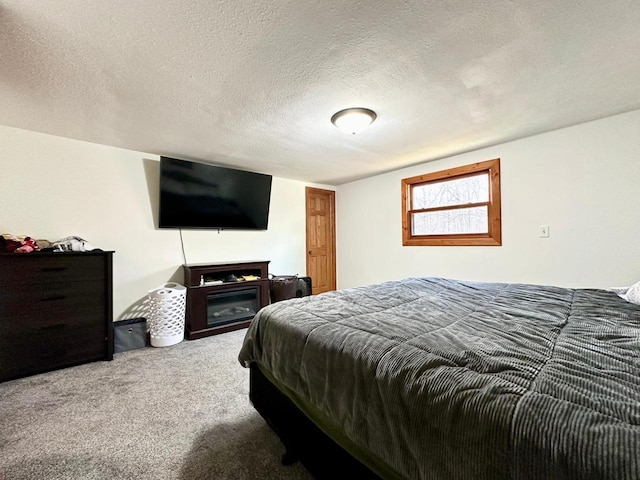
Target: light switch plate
{"points": [[543, 231]]}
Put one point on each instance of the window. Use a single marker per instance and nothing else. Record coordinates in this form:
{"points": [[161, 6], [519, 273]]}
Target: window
{"points": [[459, 206]]}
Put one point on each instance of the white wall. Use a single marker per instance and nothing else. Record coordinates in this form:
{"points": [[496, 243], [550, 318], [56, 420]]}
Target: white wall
{"points": [[582, 181], [53, 187]]}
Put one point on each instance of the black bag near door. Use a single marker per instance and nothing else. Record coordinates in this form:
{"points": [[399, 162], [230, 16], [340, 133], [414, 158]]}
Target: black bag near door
{"points": [[304, 287], [283, 287]]}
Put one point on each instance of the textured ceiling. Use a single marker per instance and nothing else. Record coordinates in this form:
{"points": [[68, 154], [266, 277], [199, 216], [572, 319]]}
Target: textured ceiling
{"points": [[254, 84]]}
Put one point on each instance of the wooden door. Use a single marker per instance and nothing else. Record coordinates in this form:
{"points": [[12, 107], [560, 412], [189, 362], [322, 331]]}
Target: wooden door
{"points": [[321, 239]]}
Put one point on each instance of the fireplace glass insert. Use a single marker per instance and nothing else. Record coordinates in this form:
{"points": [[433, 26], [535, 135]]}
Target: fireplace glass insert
{"points": [[232, 306]]}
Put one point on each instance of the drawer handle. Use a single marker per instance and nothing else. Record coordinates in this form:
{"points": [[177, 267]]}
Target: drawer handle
{"points": [[57, 326], [53, 269], [49, 298]]}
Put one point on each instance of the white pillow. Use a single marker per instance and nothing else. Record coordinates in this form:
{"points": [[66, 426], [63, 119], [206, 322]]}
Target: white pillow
{"points": [[633, 294], [630, 294], [621, 291]]}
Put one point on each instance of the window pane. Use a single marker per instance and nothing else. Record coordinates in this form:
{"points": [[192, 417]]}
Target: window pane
{"points": [[451, 222], [451, 192]]}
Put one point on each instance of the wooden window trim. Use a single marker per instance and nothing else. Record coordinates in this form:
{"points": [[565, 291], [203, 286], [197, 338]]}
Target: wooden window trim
{"points": [[494, 235]]}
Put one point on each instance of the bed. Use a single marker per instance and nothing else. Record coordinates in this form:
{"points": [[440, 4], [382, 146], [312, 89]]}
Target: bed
{"points": [[432, 378]]}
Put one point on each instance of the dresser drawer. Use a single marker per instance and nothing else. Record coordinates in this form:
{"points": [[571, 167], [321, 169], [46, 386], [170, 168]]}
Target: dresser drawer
{"points": [[53, 325], [20, 304], [29, 269], [26, 352]]}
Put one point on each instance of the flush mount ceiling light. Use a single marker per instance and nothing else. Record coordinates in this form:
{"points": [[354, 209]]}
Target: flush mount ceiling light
{"points": [[353, 120]]}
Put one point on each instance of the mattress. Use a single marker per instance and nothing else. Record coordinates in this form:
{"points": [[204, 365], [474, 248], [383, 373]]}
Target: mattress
{"points": [[441, 379]]}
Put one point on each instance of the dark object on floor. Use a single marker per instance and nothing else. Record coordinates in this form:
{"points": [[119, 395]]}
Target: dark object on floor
{"points": [[304, 287], [283, 287], [302, 439], [130, 334]]}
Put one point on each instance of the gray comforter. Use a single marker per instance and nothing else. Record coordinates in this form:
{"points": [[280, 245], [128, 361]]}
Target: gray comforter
{"points": [[441, 379]]}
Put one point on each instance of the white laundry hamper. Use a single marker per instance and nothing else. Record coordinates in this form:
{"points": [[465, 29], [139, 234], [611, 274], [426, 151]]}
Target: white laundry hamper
{"points": [[167, 305]]}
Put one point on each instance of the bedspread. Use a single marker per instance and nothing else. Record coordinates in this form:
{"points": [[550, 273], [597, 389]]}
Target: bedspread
{"points": [[443, 379]]}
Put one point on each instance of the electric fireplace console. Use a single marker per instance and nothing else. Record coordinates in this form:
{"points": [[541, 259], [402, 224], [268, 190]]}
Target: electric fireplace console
{"points": [[224, 296]]}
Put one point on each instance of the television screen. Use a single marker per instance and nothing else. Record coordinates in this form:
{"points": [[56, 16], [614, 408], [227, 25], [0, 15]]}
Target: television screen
{"points": [[197, 195]]}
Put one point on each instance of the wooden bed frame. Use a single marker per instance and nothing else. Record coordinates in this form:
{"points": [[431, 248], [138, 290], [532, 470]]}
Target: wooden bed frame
{"points": [[302, 439]]}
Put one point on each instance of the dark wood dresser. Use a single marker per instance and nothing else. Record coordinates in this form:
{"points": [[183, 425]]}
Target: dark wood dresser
{"points": [[56, 310]]}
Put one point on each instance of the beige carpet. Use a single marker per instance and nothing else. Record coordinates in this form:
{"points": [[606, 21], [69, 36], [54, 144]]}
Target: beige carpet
{"points": [[179, 412]]}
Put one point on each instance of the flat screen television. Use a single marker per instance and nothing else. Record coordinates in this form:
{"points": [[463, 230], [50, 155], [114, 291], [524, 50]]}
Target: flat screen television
{"points": [[198, 195]]}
